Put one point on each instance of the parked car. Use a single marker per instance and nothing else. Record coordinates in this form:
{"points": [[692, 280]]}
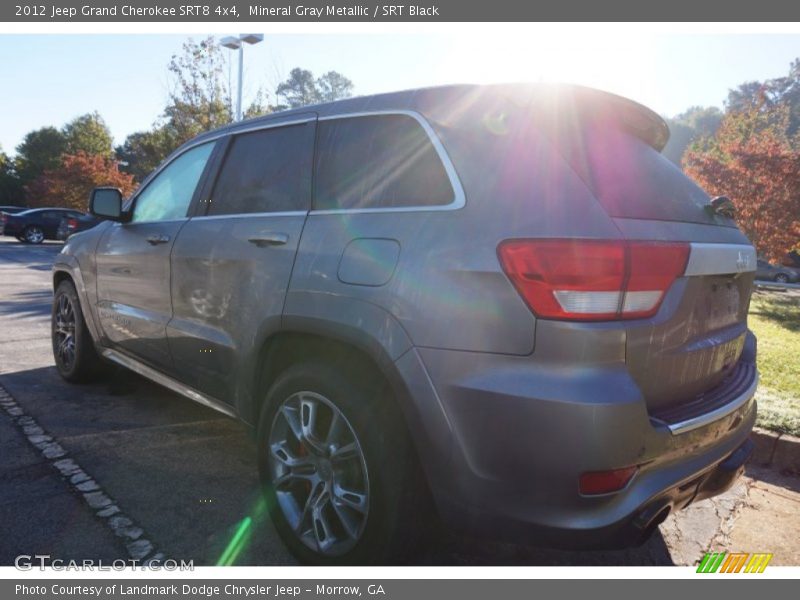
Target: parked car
{"points": [[498, 305], [778, 273], [70, 225], [8, 210], [792, 260], [35, 225]]}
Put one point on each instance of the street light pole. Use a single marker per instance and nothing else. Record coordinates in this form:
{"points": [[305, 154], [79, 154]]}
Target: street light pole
{"points": [[237, 43], [241, 77]]}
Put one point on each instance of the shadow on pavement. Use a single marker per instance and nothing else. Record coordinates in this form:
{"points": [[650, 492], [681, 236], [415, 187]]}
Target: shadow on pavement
{"points": [[790, 481], [28, 304], [189, 476]]}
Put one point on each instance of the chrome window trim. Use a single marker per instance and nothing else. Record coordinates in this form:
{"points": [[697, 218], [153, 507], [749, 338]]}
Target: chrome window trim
{"points": [[285, 213], [459, 198], [720, 259], [134, 223]]}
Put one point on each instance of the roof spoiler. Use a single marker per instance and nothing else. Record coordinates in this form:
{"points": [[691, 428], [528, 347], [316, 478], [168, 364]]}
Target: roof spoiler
{"points": [[562, 101]]}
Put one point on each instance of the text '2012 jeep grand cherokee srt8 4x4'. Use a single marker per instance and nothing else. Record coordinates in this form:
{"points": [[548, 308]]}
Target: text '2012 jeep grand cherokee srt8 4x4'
{"points": [[498, 305]]}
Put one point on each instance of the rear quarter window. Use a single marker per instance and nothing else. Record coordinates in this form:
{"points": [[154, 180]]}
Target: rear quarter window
{"points": [[629, 177], [378, 161]]}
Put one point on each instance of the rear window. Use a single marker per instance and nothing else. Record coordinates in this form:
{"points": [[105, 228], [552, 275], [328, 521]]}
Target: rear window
{"points": [[377, 161], [629, 177]]}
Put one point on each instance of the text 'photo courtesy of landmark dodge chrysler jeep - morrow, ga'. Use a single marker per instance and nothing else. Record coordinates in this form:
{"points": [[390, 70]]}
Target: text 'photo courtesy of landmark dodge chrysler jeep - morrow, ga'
{"points": [[499, 308]]}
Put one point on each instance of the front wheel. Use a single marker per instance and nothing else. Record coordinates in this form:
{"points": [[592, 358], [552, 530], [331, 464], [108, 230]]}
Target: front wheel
{"points": [[73, 349], [782, 278], [338, 470], [33, 234]]}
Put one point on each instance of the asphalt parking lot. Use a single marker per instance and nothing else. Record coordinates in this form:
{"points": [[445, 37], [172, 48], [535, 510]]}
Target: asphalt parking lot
{"points": [[179, 479]]}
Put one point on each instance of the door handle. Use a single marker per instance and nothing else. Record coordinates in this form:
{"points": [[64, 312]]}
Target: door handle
{"points": [[157, 239], [269, 239]]}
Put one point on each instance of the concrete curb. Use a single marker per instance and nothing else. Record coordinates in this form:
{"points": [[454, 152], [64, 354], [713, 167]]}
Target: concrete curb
{"points": [[778, 450]]}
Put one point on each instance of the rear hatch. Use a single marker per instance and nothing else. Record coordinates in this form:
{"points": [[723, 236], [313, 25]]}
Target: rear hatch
{"points": [[693, 344]]}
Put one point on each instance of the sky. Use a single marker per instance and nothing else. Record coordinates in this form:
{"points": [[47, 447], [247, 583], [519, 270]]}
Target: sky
{"points": [[50, 79]]}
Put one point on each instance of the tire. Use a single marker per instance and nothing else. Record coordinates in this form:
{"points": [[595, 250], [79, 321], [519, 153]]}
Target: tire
{"points": [[782, 278], [74, 353], [376, 492], [33, 234]]}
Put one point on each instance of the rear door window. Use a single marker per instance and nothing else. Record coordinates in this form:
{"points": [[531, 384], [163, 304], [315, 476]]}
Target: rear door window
{"points": [[378, 161], [266, 171]]}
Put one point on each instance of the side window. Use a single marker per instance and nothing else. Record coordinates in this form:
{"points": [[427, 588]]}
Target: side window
{"points": [[169, 194], [266, 171], [378, 161]]}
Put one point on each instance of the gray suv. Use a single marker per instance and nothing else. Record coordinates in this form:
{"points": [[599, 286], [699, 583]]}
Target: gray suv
{"points": [[494, 307]]}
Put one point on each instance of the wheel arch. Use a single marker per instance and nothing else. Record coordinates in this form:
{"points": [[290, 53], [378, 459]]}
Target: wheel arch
{"points": [[347, 347], [63, 271], [362, 354]]}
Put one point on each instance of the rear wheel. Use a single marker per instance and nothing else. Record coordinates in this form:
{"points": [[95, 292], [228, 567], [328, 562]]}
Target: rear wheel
{"points": [[782, 278], [338, 470], [73, 349], [33, 234]]}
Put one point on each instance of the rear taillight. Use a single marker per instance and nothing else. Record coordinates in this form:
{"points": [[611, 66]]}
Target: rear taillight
{"points": [[592, 280], [605, 482], [72, 223]]}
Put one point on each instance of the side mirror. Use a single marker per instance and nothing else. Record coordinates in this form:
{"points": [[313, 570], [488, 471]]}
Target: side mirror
{"points": [[106, 203]]}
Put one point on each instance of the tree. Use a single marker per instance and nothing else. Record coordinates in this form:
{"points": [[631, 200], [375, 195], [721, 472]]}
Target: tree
{"points": [[88, 133], [39, 151], [199, 100], [143, 151], [334, 86], [301, 89], [769, 94], [70, 184], [11, 192], [752, 160], [692, 124]]}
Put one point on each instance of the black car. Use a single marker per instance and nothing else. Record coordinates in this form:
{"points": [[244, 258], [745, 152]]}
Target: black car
{"points": [[70, 225], [37, 224]]}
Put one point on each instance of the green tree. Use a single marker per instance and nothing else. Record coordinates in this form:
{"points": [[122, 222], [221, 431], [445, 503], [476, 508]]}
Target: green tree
{"points": [[11, 191], [90, 134], [143, 151], [199, 100], [40, 150], [300, 89], [770, 93], [334, 86], [691, 125]]}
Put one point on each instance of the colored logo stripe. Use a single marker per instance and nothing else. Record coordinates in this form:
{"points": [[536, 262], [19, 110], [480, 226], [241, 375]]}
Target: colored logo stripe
{"points": [[758, 563], [734, 562]]}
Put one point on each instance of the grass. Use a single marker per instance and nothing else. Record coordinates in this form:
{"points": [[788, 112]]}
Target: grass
{"points": [[775, 319]]}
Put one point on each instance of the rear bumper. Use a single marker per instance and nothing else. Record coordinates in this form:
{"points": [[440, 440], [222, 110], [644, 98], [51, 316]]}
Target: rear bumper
{"points": [[639, 525], [521, 433]]}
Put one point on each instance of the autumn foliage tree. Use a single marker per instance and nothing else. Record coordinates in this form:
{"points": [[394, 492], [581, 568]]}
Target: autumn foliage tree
{"points": [[70, 184], [754, 161]]}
